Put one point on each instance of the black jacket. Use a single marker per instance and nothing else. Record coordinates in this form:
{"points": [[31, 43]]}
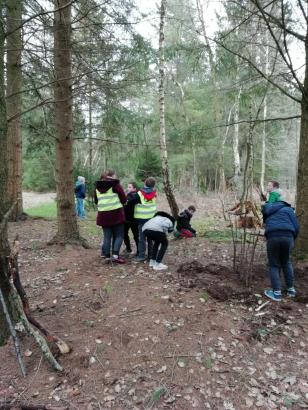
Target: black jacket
{"points": [[129, 207], [183, 221]]}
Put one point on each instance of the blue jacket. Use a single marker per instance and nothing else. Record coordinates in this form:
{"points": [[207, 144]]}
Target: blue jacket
{"points": [[280, 220], [80, 190]]}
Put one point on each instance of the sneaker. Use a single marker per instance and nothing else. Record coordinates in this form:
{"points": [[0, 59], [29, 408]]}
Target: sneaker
{"points": [[140, 259], [160, 266], [291, 292], [273, 294], [152, 263], [117, 260], [105, 256]]}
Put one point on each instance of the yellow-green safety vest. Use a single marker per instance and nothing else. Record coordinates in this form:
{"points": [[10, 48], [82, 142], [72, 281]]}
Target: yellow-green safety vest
{"points": [[145, 210], [108, 201]]}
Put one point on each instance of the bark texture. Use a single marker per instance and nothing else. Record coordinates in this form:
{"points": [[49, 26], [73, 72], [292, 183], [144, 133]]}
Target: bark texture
{"points": [[163, 146], [14, 105], [67, 222]]}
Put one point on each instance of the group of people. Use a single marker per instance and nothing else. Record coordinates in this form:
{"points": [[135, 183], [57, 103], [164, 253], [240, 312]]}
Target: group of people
{"points": [[120, 212], [136, 211]]}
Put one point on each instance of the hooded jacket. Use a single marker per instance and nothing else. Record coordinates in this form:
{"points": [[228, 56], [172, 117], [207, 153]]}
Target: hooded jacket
{"points": [[116, 216], [280, 220], [80, 190], [148, 194], [161, 222]]}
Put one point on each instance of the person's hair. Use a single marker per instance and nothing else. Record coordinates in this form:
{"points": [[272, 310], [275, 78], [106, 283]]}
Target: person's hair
{"points": [[150, 182], [275, 184], [134, 184], [108, 173], [192, 208]]}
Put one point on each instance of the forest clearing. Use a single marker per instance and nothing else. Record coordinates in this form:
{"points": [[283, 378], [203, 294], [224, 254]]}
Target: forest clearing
{"points": [[144, 339]]}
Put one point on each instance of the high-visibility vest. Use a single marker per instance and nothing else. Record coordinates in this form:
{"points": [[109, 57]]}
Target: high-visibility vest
{"points": [[108, 201], [145, 210]]}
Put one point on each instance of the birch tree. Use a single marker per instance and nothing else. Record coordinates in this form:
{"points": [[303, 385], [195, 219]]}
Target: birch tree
{"points": [[162, 127]]}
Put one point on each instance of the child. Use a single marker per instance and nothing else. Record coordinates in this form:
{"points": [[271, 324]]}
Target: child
{"points": [[185, 230], [130, 222], [274, 193], [80, 194], [110, 198], [145, 208], [156, 230]]}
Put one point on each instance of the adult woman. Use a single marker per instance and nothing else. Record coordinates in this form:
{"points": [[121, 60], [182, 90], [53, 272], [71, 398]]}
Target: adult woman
{"points": [[110, 198]]}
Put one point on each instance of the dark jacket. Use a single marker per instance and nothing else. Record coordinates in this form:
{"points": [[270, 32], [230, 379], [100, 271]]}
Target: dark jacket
{"points": [[280, 220], [116, 216], [147, 193], [80, 190], [129, 207], [183, 221]]}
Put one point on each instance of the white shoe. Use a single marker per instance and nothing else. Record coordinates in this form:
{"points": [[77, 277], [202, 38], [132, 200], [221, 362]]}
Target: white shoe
{"points": [[152, 263], [160, 266]]}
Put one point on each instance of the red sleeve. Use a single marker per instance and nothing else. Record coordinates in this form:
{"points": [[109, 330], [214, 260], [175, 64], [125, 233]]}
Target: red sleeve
{"points": [[120, 191]]}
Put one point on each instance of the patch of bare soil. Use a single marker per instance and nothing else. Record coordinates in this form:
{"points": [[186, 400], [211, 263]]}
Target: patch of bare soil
{"points": [[222, 283], [142, 340]]}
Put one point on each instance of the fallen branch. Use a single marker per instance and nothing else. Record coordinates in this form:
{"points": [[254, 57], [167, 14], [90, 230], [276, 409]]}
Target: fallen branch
{"points": [[36, 335], [13, 333], [14, 273]]}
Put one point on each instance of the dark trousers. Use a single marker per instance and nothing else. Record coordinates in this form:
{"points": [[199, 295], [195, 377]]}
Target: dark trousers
{"points": [[278, 254], [143, 241], [113, 235], [134, 228], [160, 244]]}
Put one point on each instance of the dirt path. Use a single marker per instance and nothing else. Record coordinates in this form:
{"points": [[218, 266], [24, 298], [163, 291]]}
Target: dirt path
{"points": [[32, 199]]}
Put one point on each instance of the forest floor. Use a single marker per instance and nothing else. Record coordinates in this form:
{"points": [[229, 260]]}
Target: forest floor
{"points": [[188, 338]]}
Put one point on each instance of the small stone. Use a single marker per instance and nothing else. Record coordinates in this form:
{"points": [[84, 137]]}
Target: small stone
{"points": [[117, 388], [162, 369], [92, 360], [181, 364]]}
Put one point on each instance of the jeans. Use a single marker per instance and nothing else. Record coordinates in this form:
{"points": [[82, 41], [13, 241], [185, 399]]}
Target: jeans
{"points": [[79, 205], [160, 244], [278, 254], [142, 242], [134, 228], [112, 235]]}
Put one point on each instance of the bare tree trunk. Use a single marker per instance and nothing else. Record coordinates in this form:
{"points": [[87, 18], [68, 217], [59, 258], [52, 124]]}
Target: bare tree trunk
{"points": [[302, 177], [14, 105], [221, 163], [235, 145], [163, 146], [90, 132], [221, 183], [4, 204], [263, 141], [67, 221], [248, 171], [263, 146]]}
